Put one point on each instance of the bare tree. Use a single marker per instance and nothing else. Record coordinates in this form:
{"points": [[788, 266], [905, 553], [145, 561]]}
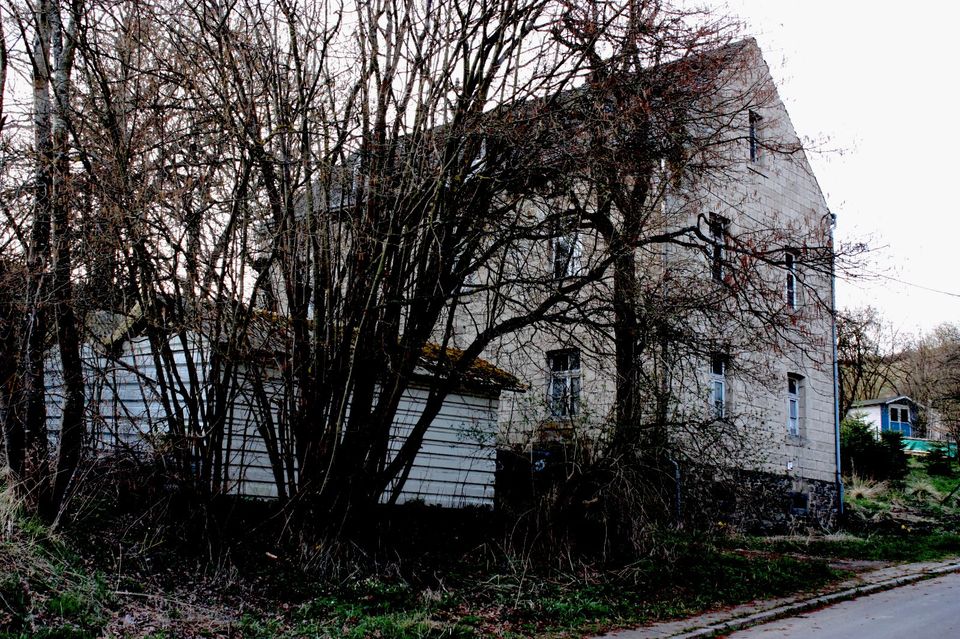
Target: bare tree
{"points": [[49, 28], [927, 371], [329, 189], [655, 143], [867, 356]]}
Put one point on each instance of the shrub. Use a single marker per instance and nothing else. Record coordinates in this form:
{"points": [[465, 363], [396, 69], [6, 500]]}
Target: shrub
{"points": [[893, 458], [863, 454], [937, 462]]}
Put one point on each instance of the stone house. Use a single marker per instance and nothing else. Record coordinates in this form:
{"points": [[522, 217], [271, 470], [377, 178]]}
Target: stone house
{"points": [[734, 280], [748, 294]]}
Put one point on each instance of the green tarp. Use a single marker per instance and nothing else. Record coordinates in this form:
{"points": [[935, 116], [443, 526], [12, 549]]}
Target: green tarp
{"points": [[920, 446]]}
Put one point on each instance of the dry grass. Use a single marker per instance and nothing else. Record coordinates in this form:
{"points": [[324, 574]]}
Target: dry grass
{"points": [[858, 487], [922, 490], [9, 508]]}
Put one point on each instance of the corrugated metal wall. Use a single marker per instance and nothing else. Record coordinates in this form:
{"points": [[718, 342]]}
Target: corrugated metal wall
{"points": [[455, 467]]}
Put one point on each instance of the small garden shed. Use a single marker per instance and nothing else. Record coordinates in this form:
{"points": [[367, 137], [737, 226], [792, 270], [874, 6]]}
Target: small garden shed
{"points": [[897, 414]]}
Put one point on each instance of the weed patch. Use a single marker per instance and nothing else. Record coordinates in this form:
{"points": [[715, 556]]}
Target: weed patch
{"points": [[159, 586]]}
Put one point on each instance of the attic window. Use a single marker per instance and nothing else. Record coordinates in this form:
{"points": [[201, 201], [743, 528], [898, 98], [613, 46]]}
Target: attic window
{"points": [[790, 263], [755, 121], [718, 236], [567, 253]]}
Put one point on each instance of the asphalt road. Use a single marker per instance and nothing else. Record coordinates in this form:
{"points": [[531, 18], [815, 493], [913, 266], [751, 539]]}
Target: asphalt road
{"points": [[925, 610]]}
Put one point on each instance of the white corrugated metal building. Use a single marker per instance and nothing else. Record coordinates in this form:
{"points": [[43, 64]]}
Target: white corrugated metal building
{"points": [[130, 401]]}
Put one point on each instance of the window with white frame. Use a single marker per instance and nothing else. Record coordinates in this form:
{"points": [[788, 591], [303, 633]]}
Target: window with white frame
{"points": [[754, 136], [794, 403], [718, 385], [566, 255], [563, 392], [790, 264], [900, 420], [718, 237]]}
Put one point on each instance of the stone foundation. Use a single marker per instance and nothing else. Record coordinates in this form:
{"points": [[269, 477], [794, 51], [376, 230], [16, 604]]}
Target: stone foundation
{"points": [[758, 502], [708, 497]]}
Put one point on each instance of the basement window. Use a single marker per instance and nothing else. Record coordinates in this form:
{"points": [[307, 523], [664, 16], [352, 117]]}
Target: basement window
{"points": [[799, 503]]}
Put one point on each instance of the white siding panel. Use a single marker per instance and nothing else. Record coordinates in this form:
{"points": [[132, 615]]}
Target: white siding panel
{"points": [[455, 466]]}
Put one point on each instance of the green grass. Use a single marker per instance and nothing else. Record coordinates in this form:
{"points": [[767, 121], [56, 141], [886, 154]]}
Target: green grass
{"points": [[919, 547], [920, 493], [45, 589], [935, 535]]}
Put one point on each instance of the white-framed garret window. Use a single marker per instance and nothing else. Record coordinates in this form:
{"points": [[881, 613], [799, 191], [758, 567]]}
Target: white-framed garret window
{"points": [[719, 230], [753, 136], [718, 385], [795, 389], [790, 266], [566, 255], [563, 387]]}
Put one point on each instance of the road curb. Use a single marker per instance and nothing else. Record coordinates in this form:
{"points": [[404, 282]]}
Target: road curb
{"points": [[790, 609]]}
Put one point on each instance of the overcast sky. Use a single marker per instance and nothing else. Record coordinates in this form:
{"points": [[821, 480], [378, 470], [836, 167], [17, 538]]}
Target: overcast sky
{"points": [[877, 82]]}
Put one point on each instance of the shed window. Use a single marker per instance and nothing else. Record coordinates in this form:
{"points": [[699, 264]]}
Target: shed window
{"points": [[900, 420]]}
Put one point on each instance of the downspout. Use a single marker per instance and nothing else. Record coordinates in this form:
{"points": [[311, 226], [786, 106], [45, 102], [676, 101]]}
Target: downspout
{"points": [[677, 498], [836, 367]]}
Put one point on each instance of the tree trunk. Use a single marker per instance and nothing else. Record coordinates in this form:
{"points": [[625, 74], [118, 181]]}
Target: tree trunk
{"points": [[32, 474], [68, 335]]}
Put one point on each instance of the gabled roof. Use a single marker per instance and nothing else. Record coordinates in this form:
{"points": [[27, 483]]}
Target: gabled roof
{"points": [[883, 401]]}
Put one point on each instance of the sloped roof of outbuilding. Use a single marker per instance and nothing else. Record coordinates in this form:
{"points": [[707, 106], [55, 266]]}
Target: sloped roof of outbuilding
{"points": [[882, 401], [266, 332]]}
